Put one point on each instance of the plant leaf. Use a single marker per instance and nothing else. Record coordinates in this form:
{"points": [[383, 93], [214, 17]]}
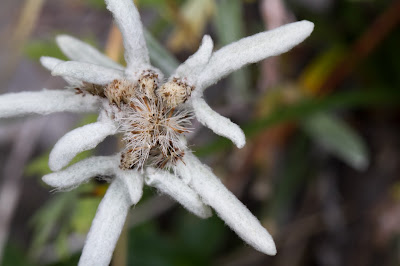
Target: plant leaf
{"points": [[338, 138], [84, 213], [46, 219]]}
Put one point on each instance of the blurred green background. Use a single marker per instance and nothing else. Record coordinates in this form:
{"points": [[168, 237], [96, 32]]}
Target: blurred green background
{"points": [[320, 168]]}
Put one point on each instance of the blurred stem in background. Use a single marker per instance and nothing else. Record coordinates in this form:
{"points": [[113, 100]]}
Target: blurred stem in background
{"points": [[380, 28], [23, 146], [114, 46], [274, 14], [19, 35]]}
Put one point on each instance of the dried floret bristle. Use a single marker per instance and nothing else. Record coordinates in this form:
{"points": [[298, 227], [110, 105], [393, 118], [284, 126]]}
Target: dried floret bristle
{"points": [[166, 159], [134, 158], [93, 89], [151, 124], [152, 132], [86, 87]]}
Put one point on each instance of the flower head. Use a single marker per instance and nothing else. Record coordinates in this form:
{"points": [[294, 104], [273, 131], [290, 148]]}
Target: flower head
{"points": [[153, 117]]}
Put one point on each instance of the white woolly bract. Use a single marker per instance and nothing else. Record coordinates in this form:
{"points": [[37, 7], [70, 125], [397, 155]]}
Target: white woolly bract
{"points": [[217, 123], [78, 140], [195, 64], [87, 72], [50, 63], [251, 50], [77, 50], [82, 172], [150, 127], [46, 102], [227, 206], [106, 226], [128, 20], [133, 181], [174, 187]]}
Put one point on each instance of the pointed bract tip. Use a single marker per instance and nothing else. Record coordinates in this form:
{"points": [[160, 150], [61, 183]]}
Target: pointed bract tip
{"points": [[43, 59], [54, 163], [56, 70], [49, 180], [307, 26], [270, 248], [62, 37], [241, 142], [207, 40], [49, 62], [264, 243], [55, 167], [63, 40]]}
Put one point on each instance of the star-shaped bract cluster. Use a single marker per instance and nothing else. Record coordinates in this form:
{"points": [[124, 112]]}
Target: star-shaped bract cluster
{"points": [[190, 183]]}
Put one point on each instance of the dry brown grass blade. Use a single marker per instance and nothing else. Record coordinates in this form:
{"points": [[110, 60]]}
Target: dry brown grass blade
{"points": [[120, 257], [20, 34], [114, 46], [190, 19]]}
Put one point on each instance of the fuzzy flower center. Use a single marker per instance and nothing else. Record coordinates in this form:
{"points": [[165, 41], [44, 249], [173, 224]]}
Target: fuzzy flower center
{"points": [[152, 124]]}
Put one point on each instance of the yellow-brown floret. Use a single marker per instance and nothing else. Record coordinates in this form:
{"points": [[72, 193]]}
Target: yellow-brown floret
{"points": [[174, 92]]}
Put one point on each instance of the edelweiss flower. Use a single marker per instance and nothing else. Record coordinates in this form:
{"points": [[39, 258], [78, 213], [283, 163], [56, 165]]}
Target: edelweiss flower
{"points": [[152, 115]]}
